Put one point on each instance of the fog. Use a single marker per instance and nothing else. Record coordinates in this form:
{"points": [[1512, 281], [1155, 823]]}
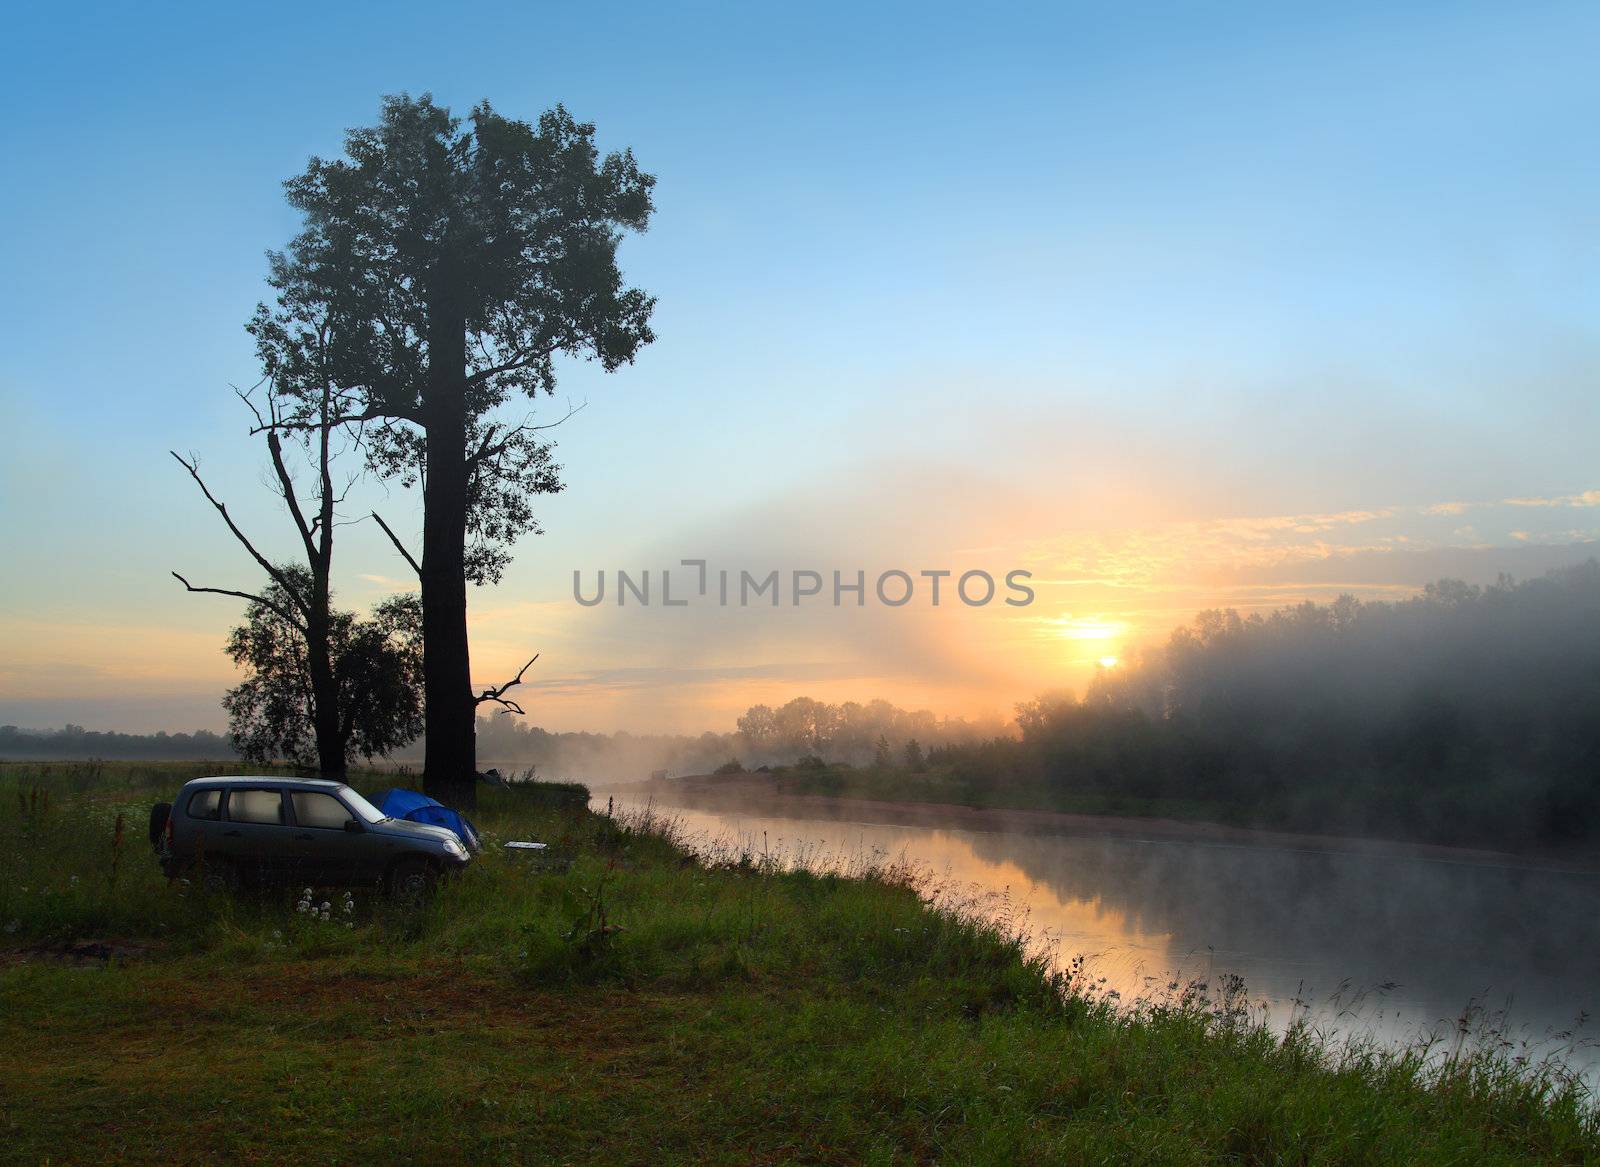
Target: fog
{"points": [[1382, 941]]}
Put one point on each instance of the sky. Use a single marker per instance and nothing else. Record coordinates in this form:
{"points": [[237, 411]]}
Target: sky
{"points": [[1172, 306]]}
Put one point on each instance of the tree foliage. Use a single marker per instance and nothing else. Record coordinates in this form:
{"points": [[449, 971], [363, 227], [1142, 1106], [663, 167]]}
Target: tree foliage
{"points": [[377, 665], [517, 225]]}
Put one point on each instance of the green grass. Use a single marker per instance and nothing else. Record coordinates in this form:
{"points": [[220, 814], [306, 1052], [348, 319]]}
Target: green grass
{"points": [[626, 1003]]}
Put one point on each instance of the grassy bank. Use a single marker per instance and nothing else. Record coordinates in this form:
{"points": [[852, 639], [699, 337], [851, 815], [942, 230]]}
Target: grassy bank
{"points": [[630, 1003]]}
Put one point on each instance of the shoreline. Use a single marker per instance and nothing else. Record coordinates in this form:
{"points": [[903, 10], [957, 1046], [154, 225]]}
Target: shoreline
{"points": [[741, 793]]}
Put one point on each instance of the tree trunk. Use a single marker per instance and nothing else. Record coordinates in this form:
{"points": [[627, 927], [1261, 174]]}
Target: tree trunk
{"points": [[325, 700], [450, 757]]}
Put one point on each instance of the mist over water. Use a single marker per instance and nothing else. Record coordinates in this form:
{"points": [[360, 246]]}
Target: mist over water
{"points": [[1390, 944]]}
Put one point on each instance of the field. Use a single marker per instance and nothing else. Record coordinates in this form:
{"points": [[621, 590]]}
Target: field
{"points": [[630, 1002]]}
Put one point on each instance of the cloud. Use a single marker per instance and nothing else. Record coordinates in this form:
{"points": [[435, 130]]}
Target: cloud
{"points": [[1587, 498], [390, 585]]}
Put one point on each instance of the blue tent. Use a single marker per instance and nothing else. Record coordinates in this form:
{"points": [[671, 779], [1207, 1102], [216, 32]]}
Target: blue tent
{"points": [[419, 808]]}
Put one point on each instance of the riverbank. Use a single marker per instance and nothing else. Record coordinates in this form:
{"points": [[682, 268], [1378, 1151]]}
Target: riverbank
{"points": [[758, 793], [630, 1002]]}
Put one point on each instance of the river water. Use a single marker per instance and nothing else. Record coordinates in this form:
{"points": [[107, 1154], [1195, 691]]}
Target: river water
{"points": [[1392, 945]]}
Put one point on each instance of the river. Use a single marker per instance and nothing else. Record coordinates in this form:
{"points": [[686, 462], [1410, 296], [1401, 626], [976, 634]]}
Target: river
{"points": [[1388, 944]]}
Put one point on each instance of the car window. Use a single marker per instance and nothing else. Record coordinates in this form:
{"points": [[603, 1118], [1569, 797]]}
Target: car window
{"points": [[361, 806], [255, 806], [205, 804], [319, 810]]}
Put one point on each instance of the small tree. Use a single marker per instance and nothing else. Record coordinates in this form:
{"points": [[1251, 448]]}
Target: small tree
{"points": [[915, 762], [377, 680], [881, 757]]}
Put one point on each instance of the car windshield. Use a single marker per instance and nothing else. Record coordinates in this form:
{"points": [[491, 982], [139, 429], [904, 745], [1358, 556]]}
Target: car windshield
{"points": [[361, 806]]}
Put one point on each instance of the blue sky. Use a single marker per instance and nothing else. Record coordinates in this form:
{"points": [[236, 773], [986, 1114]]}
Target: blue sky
{"points": [[935, 284]]}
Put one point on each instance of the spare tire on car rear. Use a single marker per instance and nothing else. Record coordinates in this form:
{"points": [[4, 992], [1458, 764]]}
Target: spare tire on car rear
{"points": [[159, 814]]}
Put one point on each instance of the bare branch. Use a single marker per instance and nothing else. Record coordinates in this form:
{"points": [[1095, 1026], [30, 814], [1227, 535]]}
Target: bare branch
{"points": [[252, 597], [305, 425], [246, 396], [400, 547], [489, 449], [498, 696], [520, 359], [266, 564], [286, 485]]}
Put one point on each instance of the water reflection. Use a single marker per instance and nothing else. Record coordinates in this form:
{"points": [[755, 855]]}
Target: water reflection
{"points": [[1318, 926]]}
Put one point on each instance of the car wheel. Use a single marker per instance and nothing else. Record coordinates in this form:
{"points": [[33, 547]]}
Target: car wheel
{"points": [[218, 877], [159, 814], [412, 880]]}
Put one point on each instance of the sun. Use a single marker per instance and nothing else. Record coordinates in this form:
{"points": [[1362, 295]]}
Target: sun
{"points": [[1109, 662]]}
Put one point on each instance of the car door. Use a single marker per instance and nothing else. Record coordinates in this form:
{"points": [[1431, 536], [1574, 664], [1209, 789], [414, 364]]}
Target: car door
{"points": [[256, 831], [198, 828], [322, 844]]}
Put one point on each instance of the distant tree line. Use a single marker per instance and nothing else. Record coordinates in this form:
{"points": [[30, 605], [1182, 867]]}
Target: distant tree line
{"points": [[1464, 714], [850, 732], [73, 741]]}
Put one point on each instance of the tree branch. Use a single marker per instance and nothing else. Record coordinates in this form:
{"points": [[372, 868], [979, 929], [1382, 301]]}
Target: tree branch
{"points": [[498, 696], [254, 599], [489, 448], [371, 413], [286, 485], [521, 359], [266, 564], [399, 546]]}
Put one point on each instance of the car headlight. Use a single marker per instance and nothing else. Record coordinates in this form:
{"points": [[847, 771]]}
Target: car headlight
{"points": [[454, 847]]}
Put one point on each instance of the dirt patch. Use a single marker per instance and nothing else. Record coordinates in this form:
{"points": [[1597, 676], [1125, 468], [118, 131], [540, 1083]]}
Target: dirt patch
{"points": [[81, 952]]}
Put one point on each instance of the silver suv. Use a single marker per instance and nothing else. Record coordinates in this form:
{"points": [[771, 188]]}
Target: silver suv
{"points": [[231, 831]]}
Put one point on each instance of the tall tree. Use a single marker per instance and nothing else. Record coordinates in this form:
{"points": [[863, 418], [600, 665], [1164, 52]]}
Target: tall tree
{"points": [[457, 262], [301, 596]]}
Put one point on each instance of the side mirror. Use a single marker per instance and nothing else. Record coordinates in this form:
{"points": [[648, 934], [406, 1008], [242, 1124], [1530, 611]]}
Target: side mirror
{"points": [[353, 827]]}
